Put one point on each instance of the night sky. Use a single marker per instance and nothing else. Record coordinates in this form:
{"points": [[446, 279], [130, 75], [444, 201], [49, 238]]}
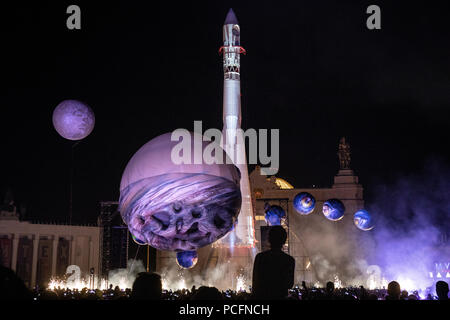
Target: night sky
{"points": [[312, 70]]}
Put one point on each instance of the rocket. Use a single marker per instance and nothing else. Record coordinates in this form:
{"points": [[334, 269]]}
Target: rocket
{"points": [[231, 51], [233, 140]]}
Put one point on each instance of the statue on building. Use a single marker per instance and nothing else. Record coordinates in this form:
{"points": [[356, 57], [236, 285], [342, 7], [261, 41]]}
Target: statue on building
{"points": [[344, 154], [8, 208]]}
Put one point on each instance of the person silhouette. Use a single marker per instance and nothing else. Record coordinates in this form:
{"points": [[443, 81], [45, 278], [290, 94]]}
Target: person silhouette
{"points": [[207, 293], [393, 291], [273, 270], [329, 291], [442, 290], [147, 286], [12, 287]]}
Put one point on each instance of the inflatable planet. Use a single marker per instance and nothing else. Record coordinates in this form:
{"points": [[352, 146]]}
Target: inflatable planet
{"points": [[73, 120], [274, 214], [187, 259], [363, 220], [139, 242], [333, 209], [304, 203], [183, 206]]}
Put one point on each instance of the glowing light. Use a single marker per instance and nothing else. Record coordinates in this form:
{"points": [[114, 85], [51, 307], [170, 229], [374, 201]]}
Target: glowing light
{"points": [[250, 231], [308, 265], [240, 283], [384, 283], [176, 285], [123, 283], [406, 283], [372, 283], [80, 284], [164, 284], [182, 284], [283, 184], [337, 282]]}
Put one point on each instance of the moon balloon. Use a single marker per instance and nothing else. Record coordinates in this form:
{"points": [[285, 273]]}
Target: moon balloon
{"points": [[73, 119]]}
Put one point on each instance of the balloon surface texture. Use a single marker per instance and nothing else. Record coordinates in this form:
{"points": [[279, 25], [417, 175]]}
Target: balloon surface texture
{"points": [[274, 214], [333, 209], [363, 220], [73, 119], [187, 259], [179, 207], [140, 242], [304, 203]]}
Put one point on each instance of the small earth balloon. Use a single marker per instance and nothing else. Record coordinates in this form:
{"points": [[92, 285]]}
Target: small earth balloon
{"points": [[333, 209], [274, 214], [304, 203], [73, 119], [140, 242], [363, 220], [187, 259]]}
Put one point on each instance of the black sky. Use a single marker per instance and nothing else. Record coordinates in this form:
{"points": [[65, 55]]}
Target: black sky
{"points": [[312, 70]]}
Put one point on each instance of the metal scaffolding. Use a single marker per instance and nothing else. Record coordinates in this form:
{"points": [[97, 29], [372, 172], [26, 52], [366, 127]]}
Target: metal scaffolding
{"points": [[114, 238]]}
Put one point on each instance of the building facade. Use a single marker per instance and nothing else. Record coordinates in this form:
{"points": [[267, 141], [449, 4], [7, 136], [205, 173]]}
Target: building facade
{"points": [[38, 252], [311, 236]]}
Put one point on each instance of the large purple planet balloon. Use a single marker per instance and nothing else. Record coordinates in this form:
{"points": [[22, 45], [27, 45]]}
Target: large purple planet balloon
{"points": [[73, 119], [179, 207], [138, 241]]}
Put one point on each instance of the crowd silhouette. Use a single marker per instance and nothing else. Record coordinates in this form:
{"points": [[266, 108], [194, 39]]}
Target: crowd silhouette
{"points": [[273, 279]]}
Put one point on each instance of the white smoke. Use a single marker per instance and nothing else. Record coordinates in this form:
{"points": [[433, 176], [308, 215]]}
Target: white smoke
{"points": [[124, 278], [222, 276]]}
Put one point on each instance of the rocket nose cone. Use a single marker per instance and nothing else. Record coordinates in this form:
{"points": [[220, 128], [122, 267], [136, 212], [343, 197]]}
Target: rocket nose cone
{"points": [[231, 18]]}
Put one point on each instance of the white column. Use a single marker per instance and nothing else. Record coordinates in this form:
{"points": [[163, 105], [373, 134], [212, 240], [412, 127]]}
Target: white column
{"points": [[91, 263], [35, 260], [91, 254], [54, 254], [15, 249], [73, 245]]}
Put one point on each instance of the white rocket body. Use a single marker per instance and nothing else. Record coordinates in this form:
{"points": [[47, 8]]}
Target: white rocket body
{"points": [[233, 141]]}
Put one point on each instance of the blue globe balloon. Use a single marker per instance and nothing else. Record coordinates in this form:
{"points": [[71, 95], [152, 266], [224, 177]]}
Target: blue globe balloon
{"points": [[187, 259], [304, 203], [138, 241], [333, 209], [363, 220], [274, 214]]}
